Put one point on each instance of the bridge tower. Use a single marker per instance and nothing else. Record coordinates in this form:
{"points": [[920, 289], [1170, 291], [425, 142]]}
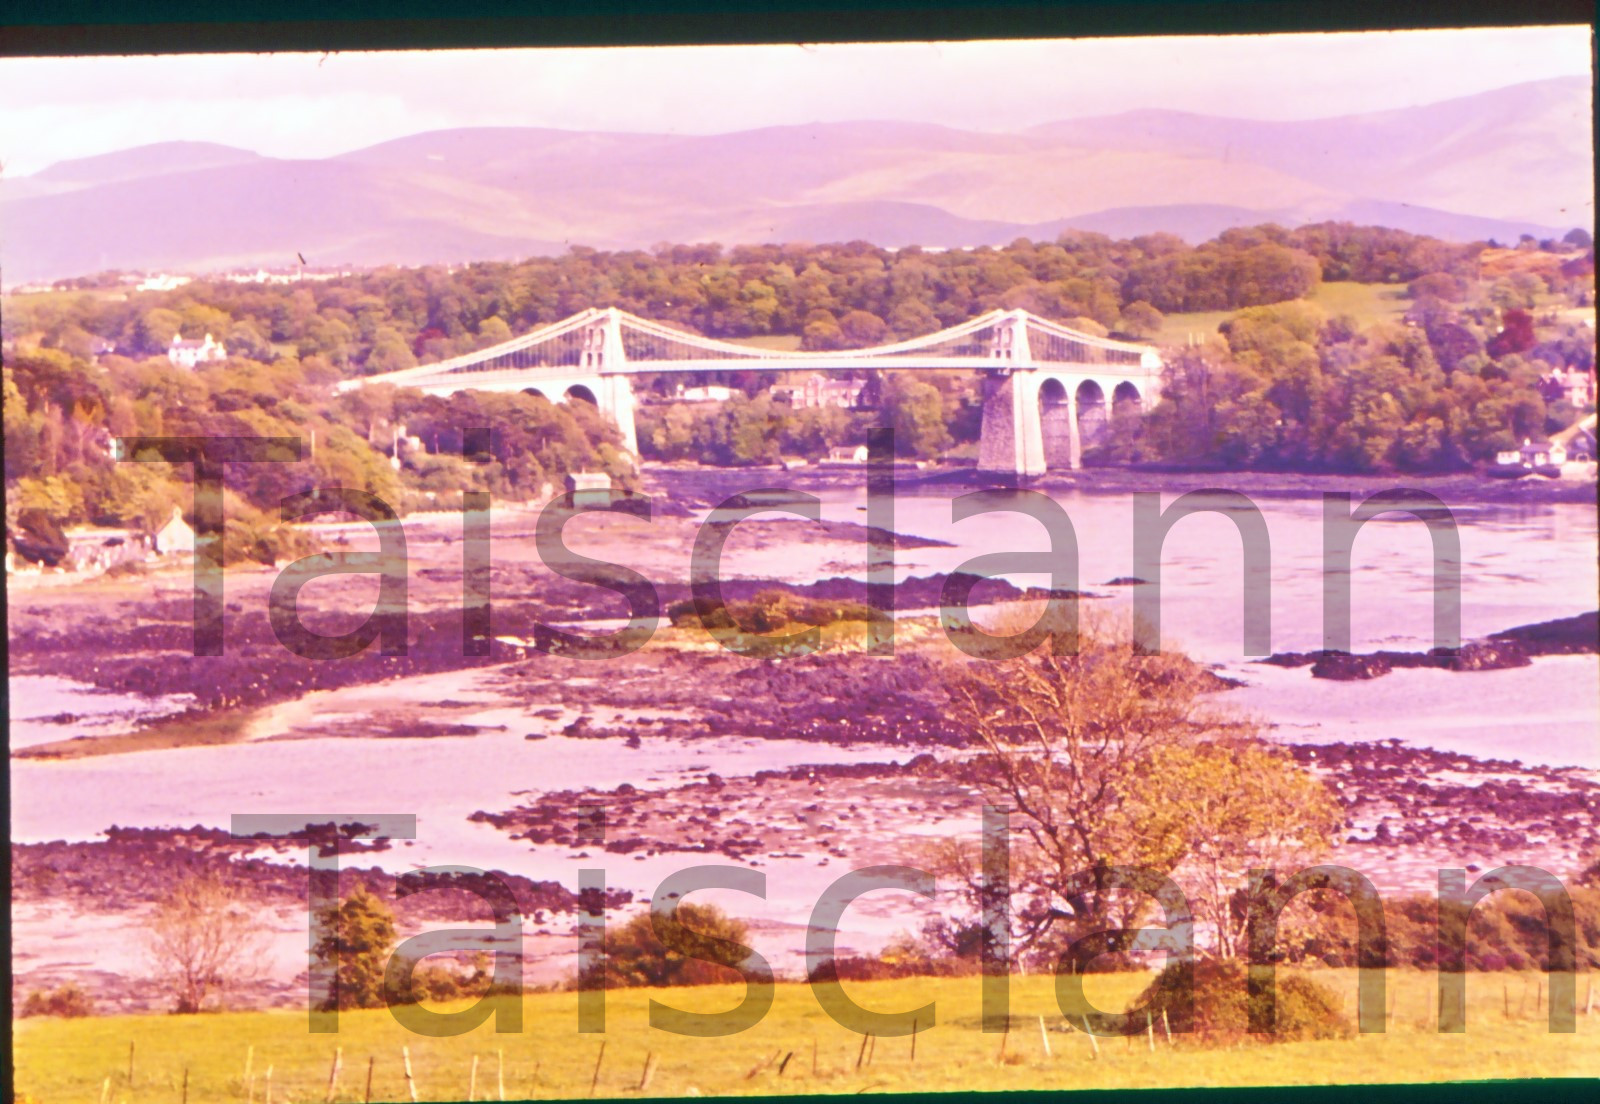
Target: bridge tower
{"points": [[1012, 440], [603, 354]]}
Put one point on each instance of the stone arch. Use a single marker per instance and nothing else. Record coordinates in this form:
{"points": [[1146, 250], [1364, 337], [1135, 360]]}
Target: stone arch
{"points": [[535, 392], [581, 393], [1127, 394], [1092, 413], [1055, 422]]}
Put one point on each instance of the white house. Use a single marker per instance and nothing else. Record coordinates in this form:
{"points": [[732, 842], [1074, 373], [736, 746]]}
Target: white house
{"points": [[187, 354], [1534, 454], [175, 537], [847, 454], [710, 393], [162, 282]]}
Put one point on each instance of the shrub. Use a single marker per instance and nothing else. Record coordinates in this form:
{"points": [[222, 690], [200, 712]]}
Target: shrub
{"points": [[434, 981], [1221, 1008], [67, 1000], [770, 610], [707, 947]]}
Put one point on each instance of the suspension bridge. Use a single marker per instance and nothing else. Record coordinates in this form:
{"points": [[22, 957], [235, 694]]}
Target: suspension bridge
{"points": [[1047, 389]]}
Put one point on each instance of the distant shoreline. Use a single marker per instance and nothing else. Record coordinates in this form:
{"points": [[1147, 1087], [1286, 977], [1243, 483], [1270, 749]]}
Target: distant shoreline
{"points": [[1459, 489]]}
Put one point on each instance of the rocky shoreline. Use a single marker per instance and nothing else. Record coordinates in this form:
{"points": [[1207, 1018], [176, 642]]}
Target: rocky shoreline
{"points": [[1514, 647], [1439, 807]]}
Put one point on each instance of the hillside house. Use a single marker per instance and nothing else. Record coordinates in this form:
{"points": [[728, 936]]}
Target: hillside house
{"points": [[1574, 384], [819, 390], [847, 454], [187, 354]]}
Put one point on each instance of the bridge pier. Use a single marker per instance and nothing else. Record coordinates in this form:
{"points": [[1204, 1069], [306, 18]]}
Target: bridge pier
{"points": [[1012, 438], [616, 401]]}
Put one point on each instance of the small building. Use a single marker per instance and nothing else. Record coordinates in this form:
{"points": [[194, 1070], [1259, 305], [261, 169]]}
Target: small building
{"points": [[710, 393], [1578, 440], [589, 487], [187, 354], [847, 454], [95, 550], [174, 537], [162, 282], [1533, 454]]}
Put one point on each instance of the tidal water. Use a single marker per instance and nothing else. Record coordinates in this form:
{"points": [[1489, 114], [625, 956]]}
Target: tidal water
{"points": [[1517, 566]]}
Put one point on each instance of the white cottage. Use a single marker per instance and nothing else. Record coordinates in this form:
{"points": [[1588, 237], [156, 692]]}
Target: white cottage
{"points": [[187, 354], [175, 537]]}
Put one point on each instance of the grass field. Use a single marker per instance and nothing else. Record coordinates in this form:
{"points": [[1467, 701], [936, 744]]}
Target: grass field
{"points": [[1366, 303], [71, 1060]]}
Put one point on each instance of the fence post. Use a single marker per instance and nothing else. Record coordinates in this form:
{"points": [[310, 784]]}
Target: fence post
{"points": [[333, 1074], [249, 1074], [411, 1084], [649, 1070], [472, 1080], [368, 1097], [598, 1058], [1093, 1042], [1044, 1039]]}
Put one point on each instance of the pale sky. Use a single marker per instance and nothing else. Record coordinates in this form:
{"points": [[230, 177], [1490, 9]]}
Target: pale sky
{"points": [[312, 105]]}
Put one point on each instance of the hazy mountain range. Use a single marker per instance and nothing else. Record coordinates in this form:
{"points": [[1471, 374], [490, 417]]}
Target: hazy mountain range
{"points": [[1498, 164]]}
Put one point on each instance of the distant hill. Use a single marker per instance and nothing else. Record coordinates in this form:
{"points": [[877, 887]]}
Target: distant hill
{"points": [[1498, 164]]}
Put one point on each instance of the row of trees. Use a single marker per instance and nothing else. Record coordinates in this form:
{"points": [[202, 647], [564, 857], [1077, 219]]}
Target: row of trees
{"points": [[828, 295]]}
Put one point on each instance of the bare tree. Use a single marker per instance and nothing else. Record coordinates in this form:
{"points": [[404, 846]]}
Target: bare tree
{"points": [[202, 941]]}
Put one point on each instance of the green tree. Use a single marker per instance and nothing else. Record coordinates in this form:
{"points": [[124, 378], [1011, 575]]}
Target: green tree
{"points": [[694, 945], [1140, 319], [1067, 742], [357, 942], [1226, 807], [916, 411]]}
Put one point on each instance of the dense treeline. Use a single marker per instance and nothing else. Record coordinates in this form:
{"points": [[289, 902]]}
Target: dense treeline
{"points": [[1286, 386], [828, 295], [62, 413]]}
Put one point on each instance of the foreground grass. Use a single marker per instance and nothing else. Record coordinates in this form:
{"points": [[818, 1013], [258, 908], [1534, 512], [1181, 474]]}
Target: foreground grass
{"points": [[72, 1060]]}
